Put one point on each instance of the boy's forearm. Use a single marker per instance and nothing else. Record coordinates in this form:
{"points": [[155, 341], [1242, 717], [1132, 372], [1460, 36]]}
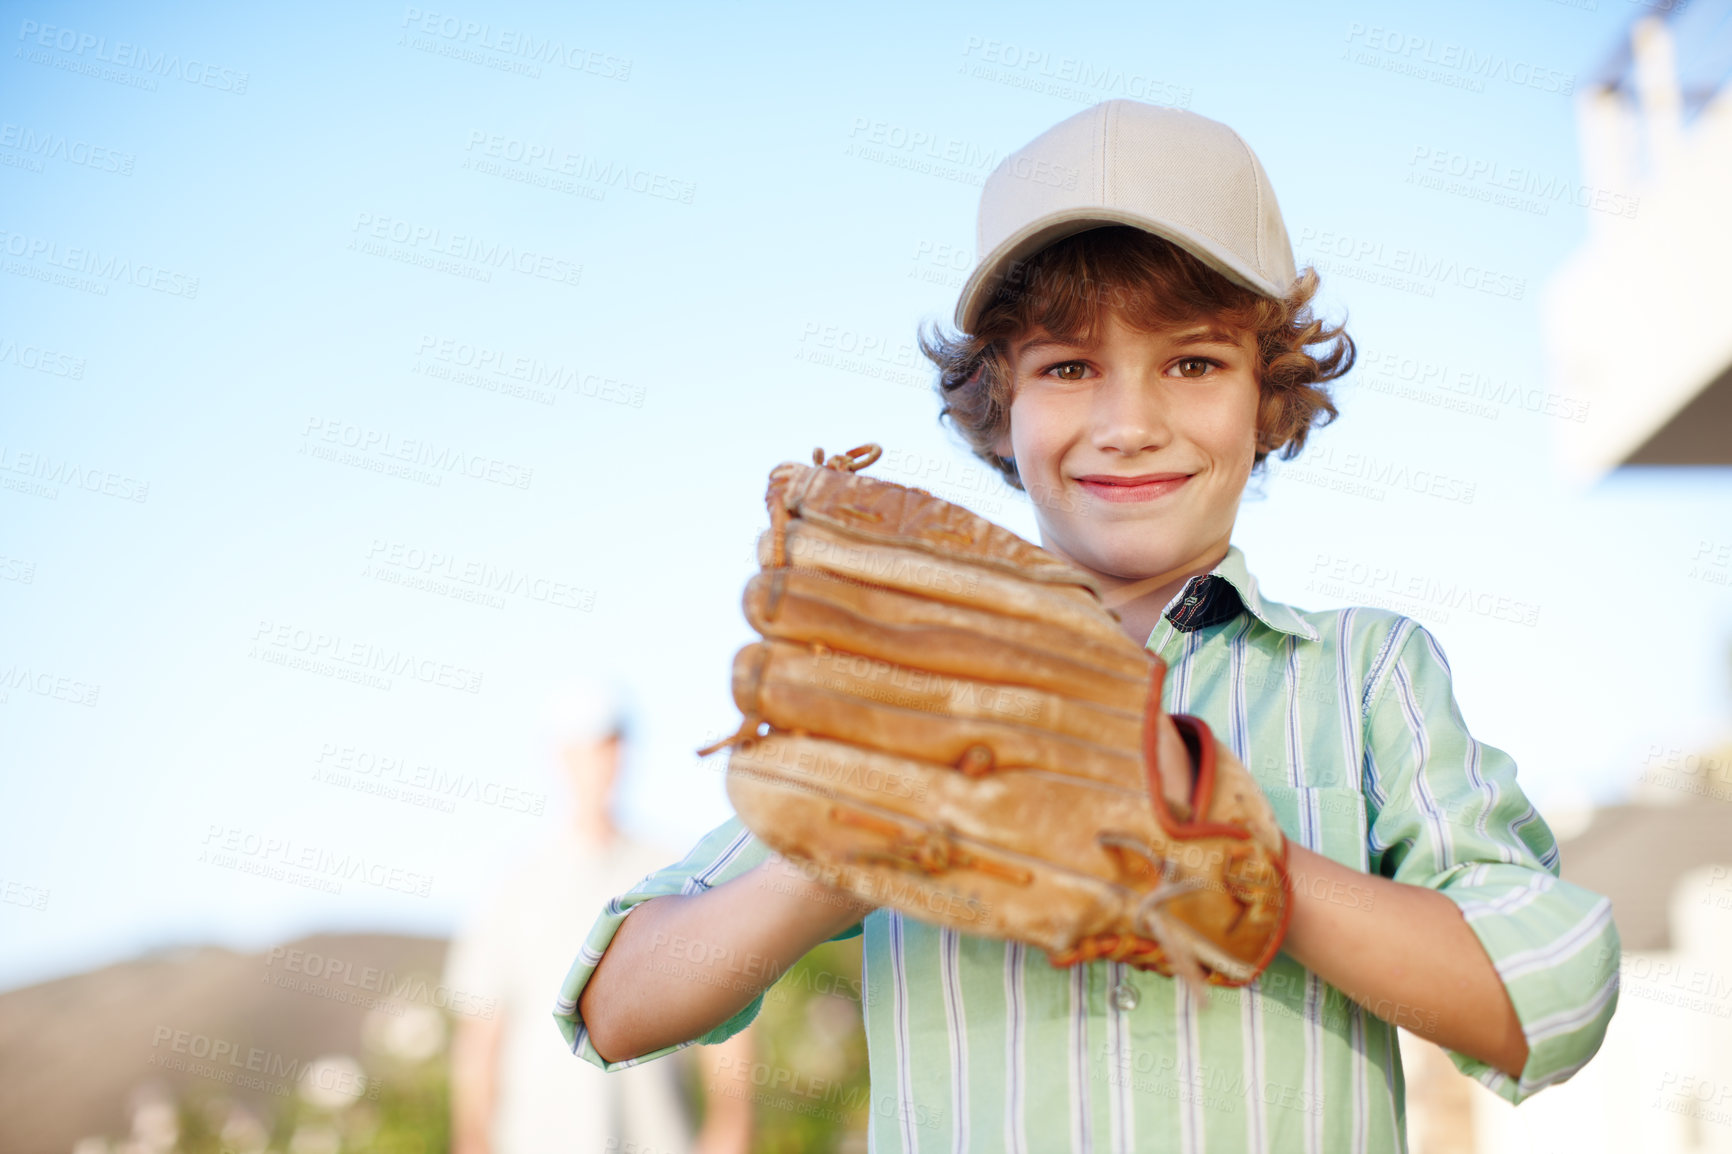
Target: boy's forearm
{"points": [[680, 966], [1406, 954]]}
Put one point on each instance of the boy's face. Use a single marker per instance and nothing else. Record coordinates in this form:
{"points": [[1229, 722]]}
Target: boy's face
{"points": [[1180, 404]]}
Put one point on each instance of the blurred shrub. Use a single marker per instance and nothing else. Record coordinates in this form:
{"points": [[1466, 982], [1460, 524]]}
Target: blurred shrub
{"points": [[393, 1100], [809, 1084]]}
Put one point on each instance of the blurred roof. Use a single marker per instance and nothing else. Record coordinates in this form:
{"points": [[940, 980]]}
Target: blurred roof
{"points": [[1700, 433]]}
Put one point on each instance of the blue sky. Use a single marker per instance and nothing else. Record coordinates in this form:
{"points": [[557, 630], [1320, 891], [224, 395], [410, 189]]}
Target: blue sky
{"points": [[271, 274]]}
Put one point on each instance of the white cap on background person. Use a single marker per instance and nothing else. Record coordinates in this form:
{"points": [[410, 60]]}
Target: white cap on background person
{"points": [[584, 709]]}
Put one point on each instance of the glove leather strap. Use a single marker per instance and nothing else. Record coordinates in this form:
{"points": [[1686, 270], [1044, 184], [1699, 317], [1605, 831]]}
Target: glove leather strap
{"points": [[1200, 742]]}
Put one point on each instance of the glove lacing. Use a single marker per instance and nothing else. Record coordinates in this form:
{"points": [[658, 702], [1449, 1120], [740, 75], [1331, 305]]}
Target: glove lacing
{"points": [[852, 461]]}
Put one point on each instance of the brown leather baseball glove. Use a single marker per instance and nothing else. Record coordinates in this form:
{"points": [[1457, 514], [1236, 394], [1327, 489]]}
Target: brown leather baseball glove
{"points": [[945, 719]]}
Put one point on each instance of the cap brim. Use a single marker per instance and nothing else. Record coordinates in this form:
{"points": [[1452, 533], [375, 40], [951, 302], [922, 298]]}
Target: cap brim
{"points": [[1038, 234]]}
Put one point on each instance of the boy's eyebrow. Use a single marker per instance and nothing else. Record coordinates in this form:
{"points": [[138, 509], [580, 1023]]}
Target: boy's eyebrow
{"points": [[1033, 343], [1210, 336]]}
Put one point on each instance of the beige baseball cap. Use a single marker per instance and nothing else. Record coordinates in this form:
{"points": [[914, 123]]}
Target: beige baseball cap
{"points": [[1183, 177]]}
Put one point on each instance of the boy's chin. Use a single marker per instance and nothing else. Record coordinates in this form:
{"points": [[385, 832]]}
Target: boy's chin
{"points": [[1105, 550], [1126, 564]]}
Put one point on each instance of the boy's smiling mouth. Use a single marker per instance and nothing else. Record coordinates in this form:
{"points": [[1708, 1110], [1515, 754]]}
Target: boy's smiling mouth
{"points": [[1143, 487]]}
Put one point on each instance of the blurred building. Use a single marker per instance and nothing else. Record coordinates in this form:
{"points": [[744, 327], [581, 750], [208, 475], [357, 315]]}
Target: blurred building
{"points": [[1639, 319], [1662, 1081]]}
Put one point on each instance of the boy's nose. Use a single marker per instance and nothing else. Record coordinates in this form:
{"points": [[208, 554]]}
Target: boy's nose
{"points": [[1130, 416]]}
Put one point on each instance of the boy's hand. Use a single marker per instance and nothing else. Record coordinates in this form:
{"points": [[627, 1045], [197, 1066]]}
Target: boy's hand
{"points": [[961, 730]]}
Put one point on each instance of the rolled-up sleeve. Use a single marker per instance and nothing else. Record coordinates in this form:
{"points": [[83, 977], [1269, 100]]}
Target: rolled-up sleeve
{"points": [[721, 855], [1447, 814]]}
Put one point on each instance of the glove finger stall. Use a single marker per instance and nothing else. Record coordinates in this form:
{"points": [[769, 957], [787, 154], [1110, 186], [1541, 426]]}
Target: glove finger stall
{"points": [[956, 580], [934, 717], [918, 632]]}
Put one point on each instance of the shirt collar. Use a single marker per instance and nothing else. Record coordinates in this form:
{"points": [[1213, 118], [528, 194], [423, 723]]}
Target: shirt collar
{"points": [[1220, 594]]}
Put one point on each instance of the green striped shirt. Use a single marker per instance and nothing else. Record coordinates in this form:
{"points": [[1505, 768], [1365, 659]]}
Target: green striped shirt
{"points": [[1347, 719]]}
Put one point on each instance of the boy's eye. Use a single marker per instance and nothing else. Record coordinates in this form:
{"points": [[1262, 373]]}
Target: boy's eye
{"points": [[1193, 367], [1069, 371]]}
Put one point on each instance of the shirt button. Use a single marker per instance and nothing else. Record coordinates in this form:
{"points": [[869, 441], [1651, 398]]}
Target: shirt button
{"points": [[1125, 997]]}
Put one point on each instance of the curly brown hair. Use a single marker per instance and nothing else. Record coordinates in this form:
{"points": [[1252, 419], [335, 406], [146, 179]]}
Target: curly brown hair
{"points": [[1150, 283]]}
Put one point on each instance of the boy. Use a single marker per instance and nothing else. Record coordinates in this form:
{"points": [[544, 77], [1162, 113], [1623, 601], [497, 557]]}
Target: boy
{"points": [[1133, 344]]}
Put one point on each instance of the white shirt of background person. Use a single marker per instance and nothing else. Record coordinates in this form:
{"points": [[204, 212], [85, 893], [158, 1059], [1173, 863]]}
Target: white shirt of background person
{"points": [[514, 1087]]}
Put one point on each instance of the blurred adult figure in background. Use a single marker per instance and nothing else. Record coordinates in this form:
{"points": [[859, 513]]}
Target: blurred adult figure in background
{"points": [[514, 1088]]}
